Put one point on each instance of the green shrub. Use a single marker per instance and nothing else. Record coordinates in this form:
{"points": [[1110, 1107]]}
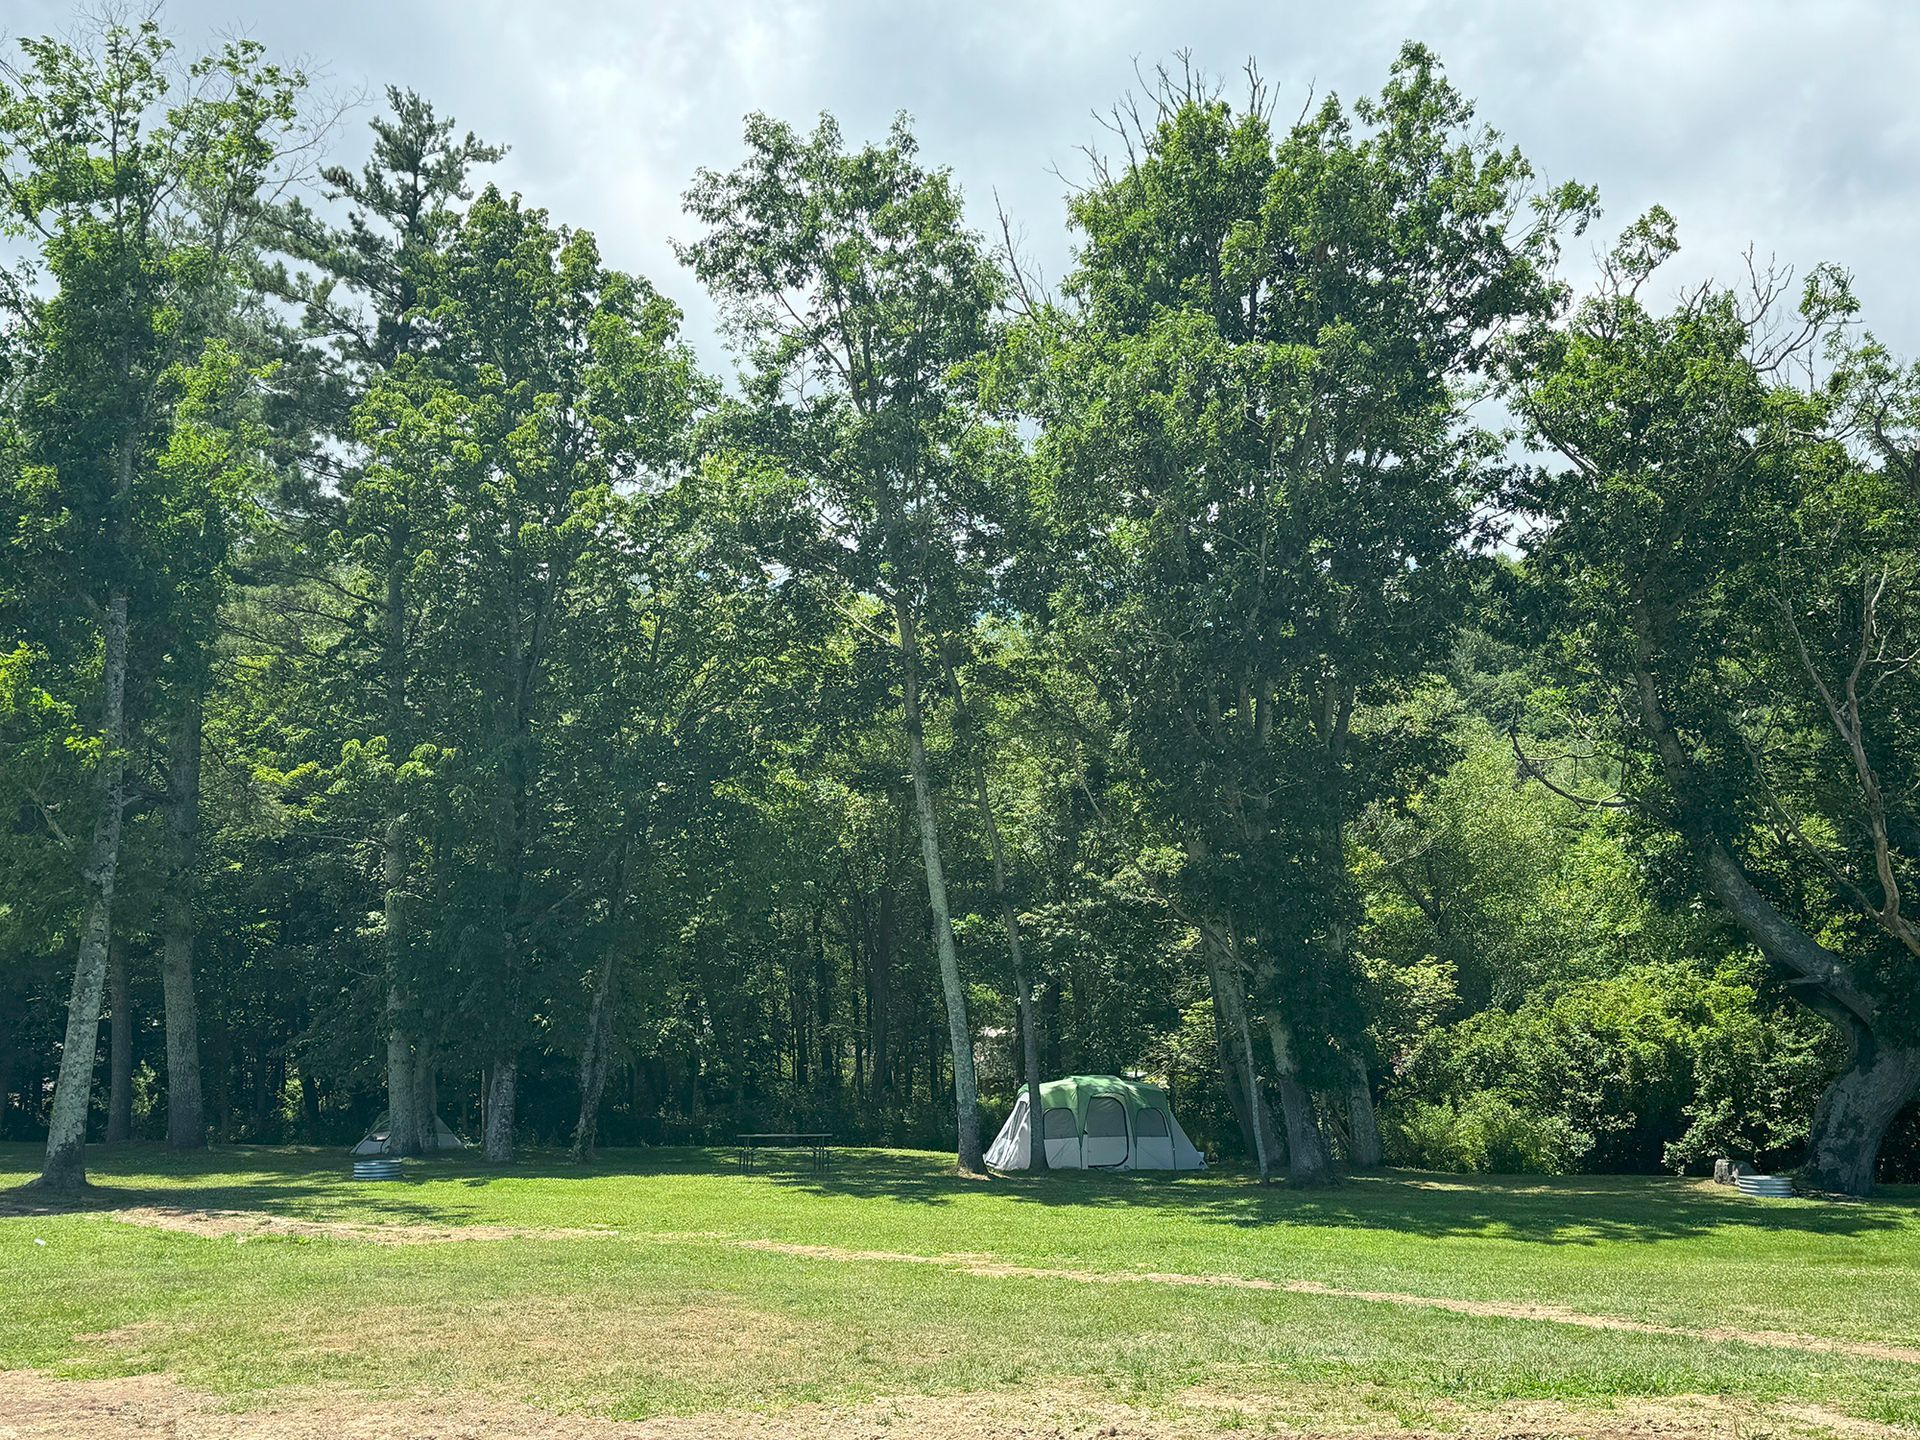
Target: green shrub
{"points": [[1659, 1066], [1485, 1134]]}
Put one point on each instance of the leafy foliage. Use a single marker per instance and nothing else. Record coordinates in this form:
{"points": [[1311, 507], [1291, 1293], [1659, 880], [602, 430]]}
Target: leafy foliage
{"points": [[1178, 675]]}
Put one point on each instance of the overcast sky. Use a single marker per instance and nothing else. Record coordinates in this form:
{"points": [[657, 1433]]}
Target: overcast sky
{"points": [[1793, 125]]}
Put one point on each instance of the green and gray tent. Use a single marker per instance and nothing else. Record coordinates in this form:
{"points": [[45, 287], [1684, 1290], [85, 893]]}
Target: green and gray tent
{"points": [[1097, 1122]]}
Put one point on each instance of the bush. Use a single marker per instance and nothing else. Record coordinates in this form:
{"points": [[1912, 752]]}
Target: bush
{"points": [[1485, 1134], [1659, 1066]]}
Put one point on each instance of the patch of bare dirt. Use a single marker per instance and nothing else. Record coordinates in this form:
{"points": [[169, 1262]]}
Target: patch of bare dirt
{"points": [[1679, 1417], [529, 1339], [34, 1406], [1491, 1309], [251, 1224]]}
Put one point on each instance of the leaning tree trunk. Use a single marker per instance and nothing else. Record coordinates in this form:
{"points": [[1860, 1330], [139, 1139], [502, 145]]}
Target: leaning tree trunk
{"points": [[593, 1057], [1883, 1072], [66, 1162], [966, 1100], [120, 1067], [1232, 1084], [1239, 1065], [1852, 1118], [1308, 1162], [186, 1116]]}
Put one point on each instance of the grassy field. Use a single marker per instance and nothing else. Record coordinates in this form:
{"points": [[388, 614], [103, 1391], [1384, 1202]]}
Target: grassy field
{"points": [[257, 1290]]}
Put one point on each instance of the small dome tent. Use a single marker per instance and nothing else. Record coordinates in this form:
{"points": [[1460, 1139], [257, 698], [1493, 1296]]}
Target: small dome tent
{"points": [[1097, 1122], [375, 1142]]}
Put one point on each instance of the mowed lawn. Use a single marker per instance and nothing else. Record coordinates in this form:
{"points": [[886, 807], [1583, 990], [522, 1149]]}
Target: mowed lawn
{"points": [[887, 1287]]}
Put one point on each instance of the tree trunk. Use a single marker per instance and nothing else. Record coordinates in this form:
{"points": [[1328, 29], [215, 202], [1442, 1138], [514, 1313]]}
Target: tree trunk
{"points": [[1023, 993], [186, 1117], [501, 1092], [829, 1051], [959, 1030], [1851, 1120], [880, 1060], [120, 1067], [1232, 1083], [66, 1162], [403, 1119], [1882, 1074], [309, 1103], [426, 1097], [593, 1056], [1239, 1069], [1308, 1162], [1363, 1126]]}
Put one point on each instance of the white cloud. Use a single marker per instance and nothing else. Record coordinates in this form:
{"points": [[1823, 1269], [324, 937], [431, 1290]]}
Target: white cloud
{"points": [[1787, 125]]}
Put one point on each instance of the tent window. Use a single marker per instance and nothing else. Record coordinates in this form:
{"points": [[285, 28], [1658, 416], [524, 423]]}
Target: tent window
{"points": [[1150, 1125], [1106, 1117], [1057, 1124]]}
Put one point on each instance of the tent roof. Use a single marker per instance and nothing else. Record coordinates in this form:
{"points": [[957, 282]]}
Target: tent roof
{"points": [[1072, 1092]]}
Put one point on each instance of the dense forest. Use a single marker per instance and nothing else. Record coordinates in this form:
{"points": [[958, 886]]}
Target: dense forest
{"points": [[1312, 654]]}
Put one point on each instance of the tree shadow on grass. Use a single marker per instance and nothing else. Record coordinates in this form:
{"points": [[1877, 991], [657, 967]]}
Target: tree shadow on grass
{"points": [[294, 1182], [1575, 1210]]}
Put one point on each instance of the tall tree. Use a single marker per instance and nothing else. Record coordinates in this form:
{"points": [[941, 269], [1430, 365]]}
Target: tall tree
{"points": [[1731, 569], [554, 384], [857, 294], [363, 285], [212, 472], [138, 179], [1266, 488]]}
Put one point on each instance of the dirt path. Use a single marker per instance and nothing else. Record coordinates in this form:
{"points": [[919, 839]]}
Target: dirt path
{"points": [[34, 1406], [244, 1224], [1496, 1309]]}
